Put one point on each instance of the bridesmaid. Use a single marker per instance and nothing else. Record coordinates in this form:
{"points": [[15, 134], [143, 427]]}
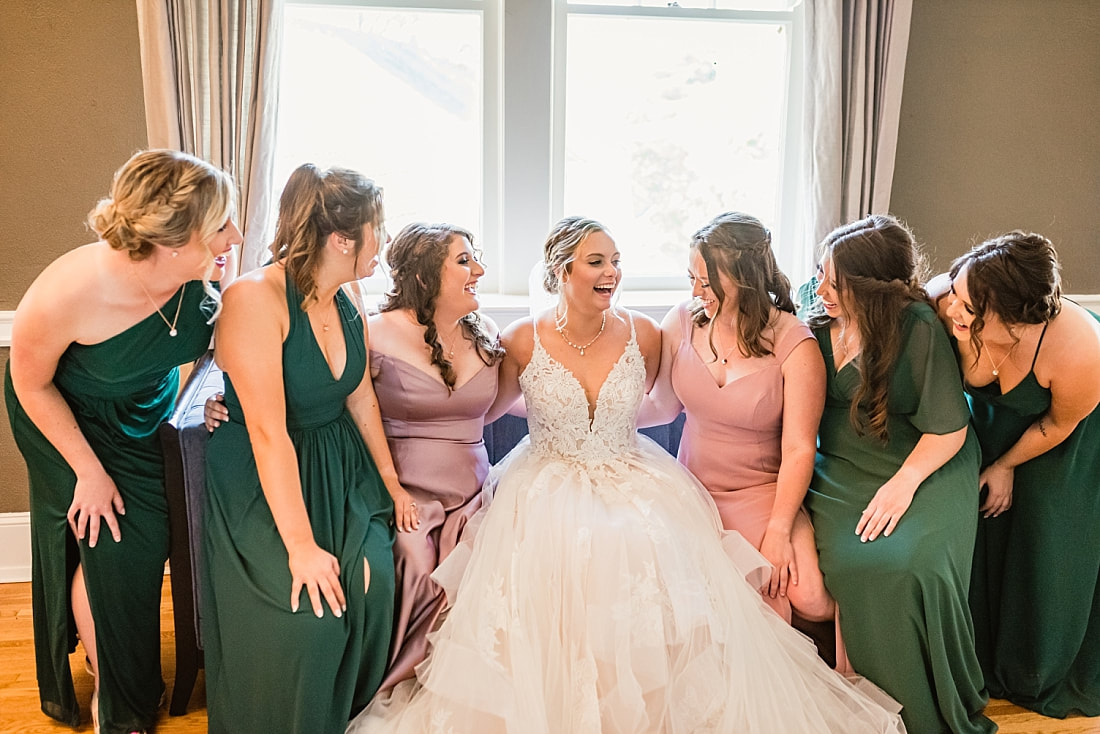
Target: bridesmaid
{"points": [[96, 345], [298, 511], [434, 363], [1029, 359], [893, 496], [751, 380]]}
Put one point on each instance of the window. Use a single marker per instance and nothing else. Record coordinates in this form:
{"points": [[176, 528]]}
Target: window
{"points": [[504, 115]]}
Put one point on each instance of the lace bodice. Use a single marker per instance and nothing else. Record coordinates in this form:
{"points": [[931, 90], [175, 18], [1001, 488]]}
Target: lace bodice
{"points": [[557, 407]]}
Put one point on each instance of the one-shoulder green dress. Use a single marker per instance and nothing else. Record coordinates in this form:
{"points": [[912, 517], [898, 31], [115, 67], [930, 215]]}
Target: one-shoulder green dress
{"points": [[902, 598], [1035, 593], [120, 391], [268, 669]]}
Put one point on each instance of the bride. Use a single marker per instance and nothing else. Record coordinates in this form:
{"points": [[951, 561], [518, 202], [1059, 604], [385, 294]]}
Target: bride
{"points": [[598, 592]]}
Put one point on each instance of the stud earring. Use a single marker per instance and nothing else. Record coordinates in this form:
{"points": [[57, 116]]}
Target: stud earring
{"points": [[345, 251], [175, 254]]}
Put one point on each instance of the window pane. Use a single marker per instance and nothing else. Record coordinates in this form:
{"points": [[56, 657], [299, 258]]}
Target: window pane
{"points": [[669, 122], [394, 94]]}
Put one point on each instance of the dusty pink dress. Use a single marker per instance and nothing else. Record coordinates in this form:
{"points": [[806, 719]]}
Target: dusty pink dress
{"points": [[435, 438], [732, 440]]}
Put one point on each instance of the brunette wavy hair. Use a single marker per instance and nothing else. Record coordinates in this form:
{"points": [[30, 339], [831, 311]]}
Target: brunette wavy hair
{"points": [[415, 259], [1015, 276], [878, 269], [740, 246]]}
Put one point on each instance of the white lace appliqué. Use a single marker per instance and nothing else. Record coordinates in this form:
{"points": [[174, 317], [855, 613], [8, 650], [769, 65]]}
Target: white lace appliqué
{"points": [[557, 408]]}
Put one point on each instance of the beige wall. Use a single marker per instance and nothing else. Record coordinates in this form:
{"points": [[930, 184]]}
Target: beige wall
{"points": [[72, 112], [1000, 128]]}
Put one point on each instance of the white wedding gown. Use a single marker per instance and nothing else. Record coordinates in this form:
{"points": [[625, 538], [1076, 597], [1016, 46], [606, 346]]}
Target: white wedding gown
{"points": [[597, 592]]}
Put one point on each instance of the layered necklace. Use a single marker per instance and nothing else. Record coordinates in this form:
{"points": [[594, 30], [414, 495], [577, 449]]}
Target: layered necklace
{"points": [[581, 347], [175, 319]]}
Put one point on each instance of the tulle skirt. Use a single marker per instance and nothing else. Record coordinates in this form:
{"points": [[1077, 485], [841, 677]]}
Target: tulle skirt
{"points": [[605, 597]]}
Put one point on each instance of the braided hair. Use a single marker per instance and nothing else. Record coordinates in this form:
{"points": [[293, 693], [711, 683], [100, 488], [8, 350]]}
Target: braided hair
{"points": [[415, 259], [878, 269]]}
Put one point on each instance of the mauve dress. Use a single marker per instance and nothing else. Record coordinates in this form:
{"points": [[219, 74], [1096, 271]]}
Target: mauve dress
{"points": [[435, 437], [732, 440]]}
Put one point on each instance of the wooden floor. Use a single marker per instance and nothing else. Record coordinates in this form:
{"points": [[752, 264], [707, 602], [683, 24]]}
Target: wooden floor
{"points": [[19, 710]]}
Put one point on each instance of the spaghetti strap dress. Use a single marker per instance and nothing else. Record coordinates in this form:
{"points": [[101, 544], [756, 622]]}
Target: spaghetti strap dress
{"points": [[732, 439], [435, 439], [1034, 592], [269, 669], [902, 598], [120, 390]]}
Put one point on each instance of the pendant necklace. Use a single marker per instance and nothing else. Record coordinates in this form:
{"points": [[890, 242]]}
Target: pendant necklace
{"points": [[997, 365], [725, 359], [580, 348], [454, 342], [171, 325]]}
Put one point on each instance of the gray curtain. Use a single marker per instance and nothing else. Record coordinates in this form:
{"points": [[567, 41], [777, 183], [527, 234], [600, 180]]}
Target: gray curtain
{"points": [[855, 60], [210, 69]]}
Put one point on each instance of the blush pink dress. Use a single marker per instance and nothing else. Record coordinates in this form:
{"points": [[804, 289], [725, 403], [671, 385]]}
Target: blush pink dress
{"points": [[435, 437], [732, 439]]}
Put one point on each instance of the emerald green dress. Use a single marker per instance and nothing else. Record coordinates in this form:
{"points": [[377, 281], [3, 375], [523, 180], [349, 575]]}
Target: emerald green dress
{"points": [[268, 669], [1035, 593], [120, 391], [902, 598]]}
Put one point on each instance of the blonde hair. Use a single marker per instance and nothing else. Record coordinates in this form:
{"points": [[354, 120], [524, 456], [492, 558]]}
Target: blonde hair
{"points": [[314, 205], [560, 249], [165, 197]]}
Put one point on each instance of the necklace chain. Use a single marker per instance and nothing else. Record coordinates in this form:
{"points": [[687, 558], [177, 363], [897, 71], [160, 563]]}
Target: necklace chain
{"points": [[997, 365], [579, 347], [454, 341], [175, 319], [726, 358]]}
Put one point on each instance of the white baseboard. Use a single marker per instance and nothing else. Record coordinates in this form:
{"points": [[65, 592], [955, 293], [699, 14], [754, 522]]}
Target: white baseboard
{"points": [[15, 547]]}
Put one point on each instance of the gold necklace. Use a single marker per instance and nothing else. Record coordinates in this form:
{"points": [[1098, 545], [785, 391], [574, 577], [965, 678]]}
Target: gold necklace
{"points": [[843, 340], [579, 347], [324, 319], [997, 365], [171, 326], [454, 341]]}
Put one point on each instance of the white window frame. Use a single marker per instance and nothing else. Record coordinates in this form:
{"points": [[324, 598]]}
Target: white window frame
{"points": [[523, 124]]}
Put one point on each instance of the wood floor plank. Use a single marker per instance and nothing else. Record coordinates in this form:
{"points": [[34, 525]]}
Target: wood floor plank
{"points": [[19, 692]]}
